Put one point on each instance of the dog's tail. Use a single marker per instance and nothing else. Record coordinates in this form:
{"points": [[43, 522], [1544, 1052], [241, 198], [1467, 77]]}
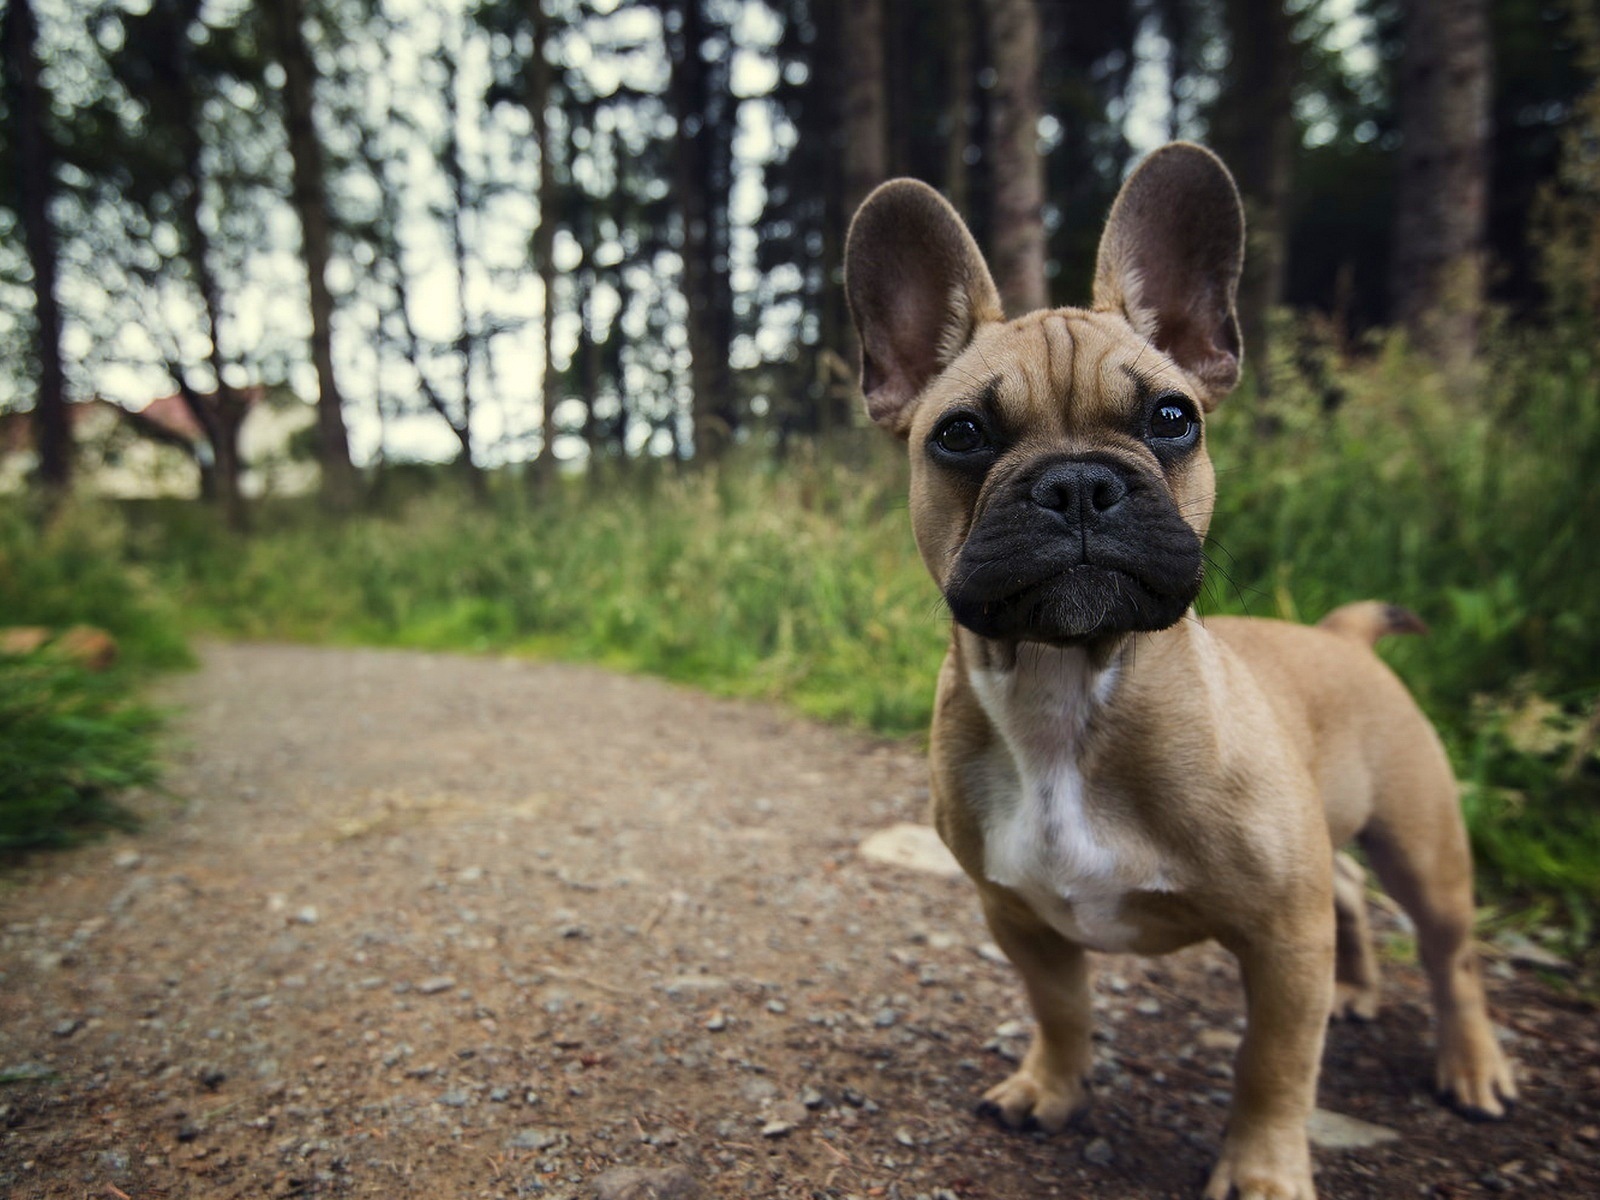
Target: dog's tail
{"points": [[1366, 621]]}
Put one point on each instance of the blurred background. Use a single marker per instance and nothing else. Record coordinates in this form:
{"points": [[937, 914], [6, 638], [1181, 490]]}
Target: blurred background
{"points": [[517, 325]]}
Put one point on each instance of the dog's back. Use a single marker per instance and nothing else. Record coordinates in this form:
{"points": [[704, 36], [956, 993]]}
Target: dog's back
{"points": [[1370, 748]]}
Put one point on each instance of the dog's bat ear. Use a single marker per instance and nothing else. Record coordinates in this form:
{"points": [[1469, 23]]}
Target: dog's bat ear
{"points": [[1170, 259], [918, 289]]}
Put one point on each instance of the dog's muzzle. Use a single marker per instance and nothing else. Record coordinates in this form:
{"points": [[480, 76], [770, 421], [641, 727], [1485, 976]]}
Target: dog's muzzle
{"points": [[1073, 549]]}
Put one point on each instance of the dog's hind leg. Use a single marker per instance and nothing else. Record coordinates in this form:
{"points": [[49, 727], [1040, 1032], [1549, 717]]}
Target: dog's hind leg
{"points": [[1048, 1089], [1427, 867], [1355, 987]]}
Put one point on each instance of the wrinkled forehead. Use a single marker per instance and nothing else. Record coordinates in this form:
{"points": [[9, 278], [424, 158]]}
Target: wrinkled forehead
{"points": [[1066, 369]]}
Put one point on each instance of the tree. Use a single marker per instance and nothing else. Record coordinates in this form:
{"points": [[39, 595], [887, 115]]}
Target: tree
{"points": [[34, 159], [702, 109], [162, 166], [864, 116], [1017, 242], [1253, 129], [539, 93], [308, 195], [1442, 199]]}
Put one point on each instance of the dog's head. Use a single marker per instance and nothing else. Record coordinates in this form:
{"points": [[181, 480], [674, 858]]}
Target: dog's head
{"points": [[1060, 488]]}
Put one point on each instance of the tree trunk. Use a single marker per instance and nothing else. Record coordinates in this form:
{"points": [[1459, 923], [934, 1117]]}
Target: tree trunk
{"points": [[466, 345], [714, 418], [539, 84], [1440, 227], [1253, 129], [35, 152], [1018, 244], [309, 198], [865, 115], [958, 46], [222, 412]]}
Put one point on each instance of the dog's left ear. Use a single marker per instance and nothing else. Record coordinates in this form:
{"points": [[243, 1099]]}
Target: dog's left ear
{"points": [[1170, 259]]}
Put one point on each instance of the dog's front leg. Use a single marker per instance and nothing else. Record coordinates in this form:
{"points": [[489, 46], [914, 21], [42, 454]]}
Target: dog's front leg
{"points": [[1288, 984], [1048, 1088]]}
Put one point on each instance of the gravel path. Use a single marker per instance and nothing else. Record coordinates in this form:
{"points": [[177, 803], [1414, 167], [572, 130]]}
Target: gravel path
{"points": [[456, 927]]}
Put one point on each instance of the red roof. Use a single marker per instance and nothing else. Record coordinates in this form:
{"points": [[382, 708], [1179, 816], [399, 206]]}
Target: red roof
{"points": [[170, 412]]}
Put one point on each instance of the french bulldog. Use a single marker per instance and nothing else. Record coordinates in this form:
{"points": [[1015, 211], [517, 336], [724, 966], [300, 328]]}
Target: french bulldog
{"points": [[1114, 773]]}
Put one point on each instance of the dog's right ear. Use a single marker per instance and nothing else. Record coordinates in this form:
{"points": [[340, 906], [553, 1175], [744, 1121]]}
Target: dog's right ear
{"points": [[918, 290]]}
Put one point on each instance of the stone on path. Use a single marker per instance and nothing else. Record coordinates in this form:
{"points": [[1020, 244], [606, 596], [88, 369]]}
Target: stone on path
{"points": [[637, 1183], [912, 847], [1335, 1131]]}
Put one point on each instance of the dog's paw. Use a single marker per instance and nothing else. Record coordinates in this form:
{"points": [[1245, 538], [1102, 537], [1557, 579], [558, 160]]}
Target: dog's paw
{"points": [[1474, 1076], [1354, 1002], [1030, 1098], [1263, 1167]]}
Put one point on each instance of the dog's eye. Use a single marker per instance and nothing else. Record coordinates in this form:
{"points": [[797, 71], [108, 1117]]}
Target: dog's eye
{"points": [[960, 435], [1171, 422]]}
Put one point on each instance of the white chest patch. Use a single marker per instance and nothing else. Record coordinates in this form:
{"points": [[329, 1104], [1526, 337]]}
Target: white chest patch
{"points": [[1076, 868]]}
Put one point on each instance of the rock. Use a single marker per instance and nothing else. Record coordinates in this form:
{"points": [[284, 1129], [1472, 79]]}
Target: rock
{"points": [[534, 1139], [1011, 1029], [308, 915], [790, 1112], [65, 1029], [912, 848], [455, 1098], [638, 1183], [717, 1022], [1525, 952], [127, 860], [439, 983], [1335, 1131], [777, 1127], [694, 983], [812, 1098], [1148, 1008], [1098, 1153], [210, 1077], [989, 952], [1223, 1040]]}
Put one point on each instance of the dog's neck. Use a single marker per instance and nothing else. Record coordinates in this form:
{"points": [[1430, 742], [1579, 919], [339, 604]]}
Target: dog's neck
{"points": [[1041, 699]]}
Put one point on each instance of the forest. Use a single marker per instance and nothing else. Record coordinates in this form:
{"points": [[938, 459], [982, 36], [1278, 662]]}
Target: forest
{"points": [[514, 232], [557, 287]]}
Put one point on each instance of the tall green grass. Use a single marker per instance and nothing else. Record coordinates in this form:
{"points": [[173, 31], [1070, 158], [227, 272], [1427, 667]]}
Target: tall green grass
{"points": [[70, 744], [73, 742], [1477, 503]]}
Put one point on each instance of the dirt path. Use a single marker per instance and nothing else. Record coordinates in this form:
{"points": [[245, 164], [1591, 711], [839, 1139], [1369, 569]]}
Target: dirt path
{"points": [[449, 927]]}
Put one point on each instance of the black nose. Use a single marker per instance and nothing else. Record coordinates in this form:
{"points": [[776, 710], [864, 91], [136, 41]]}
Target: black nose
{"points": [[1073, 486]]}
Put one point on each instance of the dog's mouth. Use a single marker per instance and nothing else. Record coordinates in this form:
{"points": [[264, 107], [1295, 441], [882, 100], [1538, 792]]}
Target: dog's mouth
{"points": [[1083, 603], [1068, 550]]}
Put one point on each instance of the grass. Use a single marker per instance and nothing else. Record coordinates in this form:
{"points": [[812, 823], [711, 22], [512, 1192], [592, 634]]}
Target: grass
{"points": [[70, 744], [1473, 502], [73, 741]]}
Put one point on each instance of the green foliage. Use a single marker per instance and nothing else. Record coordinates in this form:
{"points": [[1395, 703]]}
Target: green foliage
{"points": [[75, 569], [69, 743]]}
